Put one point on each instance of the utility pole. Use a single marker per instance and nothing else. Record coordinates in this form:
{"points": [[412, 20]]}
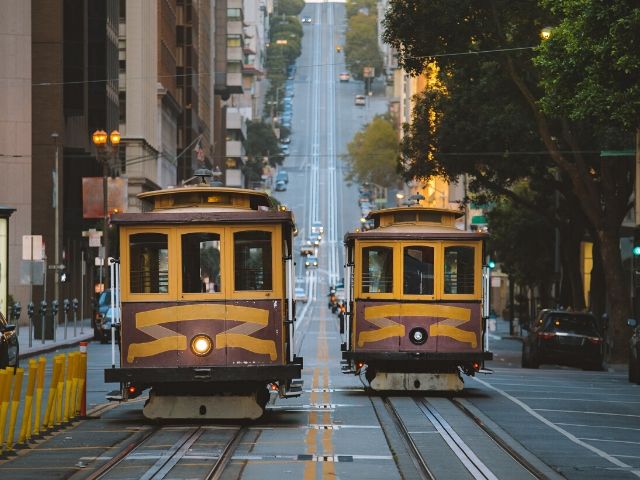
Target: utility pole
{"points": [[56, 206]]}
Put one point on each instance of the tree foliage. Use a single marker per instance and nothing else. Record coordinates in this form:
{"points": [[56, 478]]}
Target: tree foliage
{"points": [[261, 144], [289, 7], [353, 7], [591, 62], [495, 122], [361, 46], [373, 154], [511, 225]]}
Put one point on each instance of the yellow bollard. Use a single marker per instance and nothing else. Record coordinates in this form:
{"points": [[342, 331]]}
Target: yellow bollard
{"points": [[25, 431], [82, 379], [51, 399], [72, 384], [5, 388], [15, 403], [59, 394], [42, 364]]}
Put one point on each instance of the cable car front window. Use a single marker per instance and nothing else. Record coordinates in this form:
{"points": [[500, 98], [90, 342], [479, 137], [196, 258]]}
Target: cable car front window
{"points": [[149, 271], [418, 270], [201, 263], [377, 270], [459, 266], [252, 260]]}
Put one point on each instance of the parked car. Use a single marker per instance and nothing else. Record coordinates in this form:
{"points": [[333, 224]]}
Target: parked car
{"points": [[300, 295], [360, 100], [283, 175], [306, 19], [285, 140], [561, 337], [634, 352], [311, 262], [108, 322], [9, 345], [344, 76], [280, 186], [102, 304]]}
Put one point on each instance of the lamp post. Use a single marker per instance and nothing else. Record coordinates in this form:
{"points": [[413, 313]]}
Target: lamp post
{"points": [[100, 139]]}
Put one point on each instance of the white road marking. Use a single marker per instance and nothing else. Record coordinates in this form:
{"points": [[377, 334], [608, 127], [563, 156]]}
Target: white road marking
{"points": [[560, 430], [587, 412], [609, 441], [578, 425]]}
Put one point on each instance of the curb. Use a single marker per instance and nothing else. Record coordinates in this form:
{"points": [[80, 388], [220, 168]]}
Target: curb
{"points": [[55, 346], [512, 337]]}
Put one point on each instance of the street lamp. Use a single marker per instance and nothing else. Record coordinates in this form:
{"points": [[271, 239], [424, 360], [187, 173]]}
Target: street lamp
{"points": [[100, 139]]}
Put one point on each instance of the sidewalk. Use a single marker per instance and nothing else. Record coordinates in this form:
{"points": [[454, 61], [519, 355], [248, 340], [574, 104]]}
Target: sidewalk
{"points": [[499, 327], [83, 332]]}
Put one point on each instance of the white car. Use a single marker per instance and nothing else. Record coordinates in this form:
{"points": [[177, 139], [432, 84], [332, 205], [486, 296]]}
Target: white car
{"points": [[306, 19], [316, 227], [360, 100], [299, 295]]}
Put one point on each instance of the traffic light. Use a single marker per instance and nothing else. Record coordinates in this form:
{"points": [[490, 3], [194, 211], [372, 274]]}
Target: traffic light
{"points": [[491, 264], [636, 243], [62, 274]]}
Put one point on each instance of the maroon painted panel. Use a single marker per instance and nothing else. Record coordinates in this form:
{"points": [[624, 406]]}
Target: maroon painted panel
{"points": [[465, 332], [265, 347]]}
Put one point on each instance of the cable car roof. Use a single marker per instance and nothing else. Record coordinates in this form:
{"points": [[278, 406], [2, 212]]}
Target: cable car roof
{"points": [[414, 221]]}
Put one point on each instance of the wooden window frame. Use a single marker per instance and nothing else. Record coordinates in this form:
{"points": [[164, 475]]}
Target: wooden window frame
{"points": [[125, 259], [221, 231], [438, 269], [477, 271], [277, 288], [397, 270]]}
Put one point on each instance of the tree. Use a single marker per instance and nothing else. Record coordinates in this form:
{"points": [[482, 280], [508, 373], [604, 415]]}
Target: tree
{"points": [[289, 7], [373, 154], [353, 7], [511, 224], [261, 144], [502, 33], [361, 47]]}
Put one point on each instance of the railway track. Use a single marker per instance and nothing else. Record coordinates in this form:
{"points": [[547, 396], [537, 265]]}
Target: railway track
{"points": [[170, 451], [438, 438]]}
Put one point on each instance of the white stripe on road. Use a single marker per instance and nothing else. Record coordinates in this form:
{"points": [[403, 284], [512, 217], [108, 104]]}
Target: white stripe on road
{"points": [[560, 430], [587, 412]]}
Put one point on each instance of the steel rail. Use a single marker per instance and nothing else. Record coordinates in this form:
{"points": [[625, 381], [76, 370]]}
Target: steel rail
{"points": [[227, 454], [120, 456], [417, 459], [460, 449], [176, 452]]}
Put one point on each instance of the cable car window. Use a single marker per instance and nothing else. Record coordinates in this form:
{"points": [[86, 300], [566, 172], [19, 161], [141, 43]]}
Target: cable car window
{"points": [[459, 264], [149, 271], [377, 270], [418, 271], [252, 260], [201, 263]]}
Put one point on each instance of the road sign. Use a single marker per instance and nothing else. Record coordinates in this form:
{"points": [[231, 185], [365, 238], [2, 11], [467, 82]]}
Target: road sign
{"points": [[32, 247], [31, 272]]}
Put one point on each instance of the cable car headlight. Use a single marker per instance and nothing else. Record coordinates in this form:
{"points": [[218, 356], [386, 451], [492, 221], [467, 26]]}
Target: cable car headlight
{"points": [[201, 345], [418, 336]]}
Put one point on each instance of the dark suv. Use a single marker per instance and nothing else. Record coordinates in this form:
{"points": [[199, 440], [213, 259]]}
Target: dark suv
{"points": [[561, 337], [634, 352]]}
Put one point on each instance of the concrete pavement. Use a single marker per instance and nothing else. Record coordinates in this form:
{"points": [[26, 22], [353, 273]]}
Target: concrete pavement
{"points": [[64, 337]]}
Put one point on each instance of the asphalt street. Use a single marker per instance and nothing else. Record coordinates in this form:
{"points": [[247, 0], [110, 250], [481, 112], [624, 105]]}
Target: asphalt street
{"points": [[560, 422]]}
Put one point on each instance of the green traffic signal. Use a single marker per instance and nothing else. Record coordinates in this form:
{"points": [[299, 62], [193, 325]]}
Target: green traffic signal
{"points": [[636, 250], [492, 264]]}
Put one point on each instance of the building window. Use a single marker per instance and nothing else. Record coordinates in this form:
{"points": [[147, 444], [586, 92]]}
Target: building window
{"points": [[234, 14], [234, 40], [201, 263], [459, 263], [377, 270], [252, 260], [418, 271], [149, 271]]}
